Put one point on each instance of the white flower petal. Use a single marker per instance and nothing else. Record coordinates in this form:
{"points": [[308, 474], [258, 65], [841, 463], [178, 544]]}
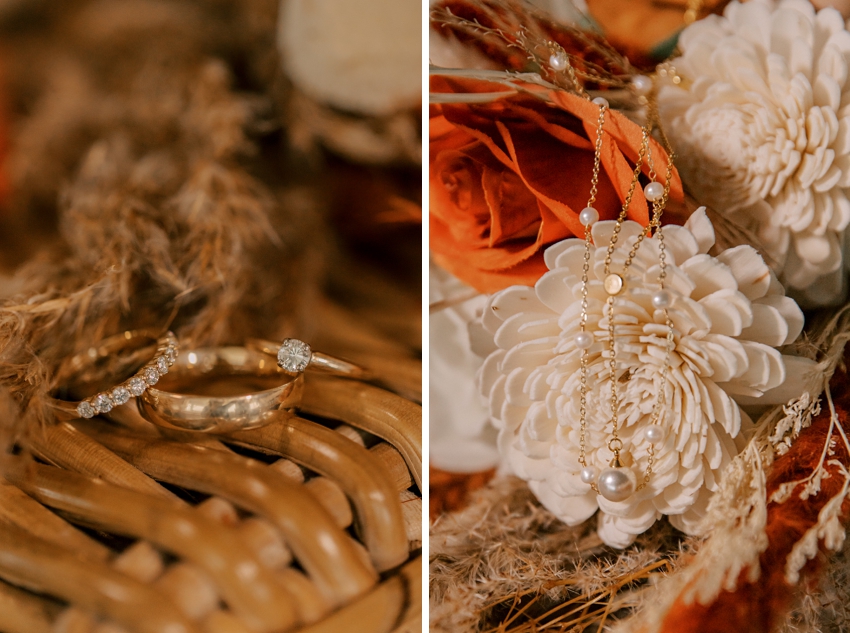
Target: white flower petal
{"points": [[690, 520], [719, 354], [515, 387], [728, 357], [769, 326], [709, 275], [568, 256], [639, 520], [749, 269], [799, 372], [566, 248], [526, 327], [570, 510], [702, 229], [517, 300], [729, 311], [528, 354], [681, 245], [611, 534], [791, 313], [725, 412], [602, 231], [555, 289], [766, 369], [762, 132], [490, 372]]}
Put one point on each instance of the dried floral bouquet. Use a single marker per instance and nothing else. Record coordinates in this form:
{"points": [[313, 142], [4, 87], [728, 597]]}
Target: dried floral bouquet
{"points": [[624, 253]]}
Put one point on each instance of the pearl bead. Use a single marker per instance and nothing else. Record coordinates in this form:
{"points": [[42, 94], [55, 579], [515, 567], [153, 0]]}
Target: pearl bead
{"points": [[662, 299], [588, 474], [584, 340], [601, 102], [653, 434], [588, 216], [653, 191], [616, 484], [642, 85], [558, 61]]}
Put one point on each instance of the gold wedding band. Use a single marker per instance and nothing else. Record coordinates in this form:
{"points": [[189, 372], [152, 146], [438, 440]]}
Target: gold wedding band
{"points": [[83, 368], [191, 399], [294, 356]]}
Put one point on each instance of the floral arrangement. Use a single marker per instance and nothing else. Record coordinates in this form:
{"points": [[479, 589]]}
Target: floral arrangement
{"points": [[498, 196], [731, 316], [763, 129], [644, 244]]}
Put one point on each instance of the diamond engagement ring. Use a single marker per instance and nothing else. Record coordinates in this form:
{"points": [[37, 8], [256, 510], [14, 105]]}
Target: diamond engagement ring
{"points": [[83, 367], [295, 356], [221, 390]]}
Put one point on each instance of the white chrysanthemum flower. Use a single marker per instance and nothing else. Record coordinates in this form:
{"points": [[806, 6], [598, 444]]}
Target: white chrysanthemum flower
{"points": [[462, 440], [729, 315], [761, 128]]}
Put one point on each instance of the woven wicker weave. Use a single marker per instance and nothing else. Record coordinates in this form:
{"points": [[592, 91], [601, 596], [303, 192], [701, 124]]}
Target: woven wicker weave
{"points": [[131, 538]]}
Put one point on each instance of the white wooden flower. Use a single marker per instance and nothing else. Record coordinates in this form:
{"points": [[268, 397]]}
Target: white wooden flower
{"points": [[462, 440], [761, 128], [729, 313]]}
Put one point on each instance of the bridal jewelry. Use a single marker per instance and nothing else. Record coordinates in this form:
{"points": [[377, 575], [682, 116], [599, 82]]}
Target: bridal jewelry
{"points": [[295, 356], [618, 482], [197, 396], [81, 366]]}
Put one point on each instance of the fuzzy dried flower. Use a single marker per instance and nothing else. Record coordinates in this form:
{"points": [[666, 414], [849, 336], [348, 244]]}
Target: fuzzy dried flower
{"points": [[148, 165]]}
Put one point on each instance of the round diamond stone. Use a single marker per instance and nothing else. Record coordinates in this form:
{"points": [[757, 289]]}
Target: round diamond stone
{"points": [[85, 410], [162, 365], [102, 403], [151, 375], [137, 385], [170, 355], [294, 355], [120, 395]]}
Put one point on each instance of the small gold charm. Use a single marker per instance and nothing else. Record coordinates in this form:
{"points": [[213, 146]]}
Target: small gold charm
{"points": [[613, 284]]}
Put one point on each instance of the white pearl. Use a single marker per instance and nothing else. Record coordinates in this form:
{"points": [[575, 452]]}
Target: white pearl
{"points": [[616, 484], [558, 61], [588, 474], [584, 340], [642, 85], [653, 191], [601, 102], [653, 434], [662, 299], [588, 216]]}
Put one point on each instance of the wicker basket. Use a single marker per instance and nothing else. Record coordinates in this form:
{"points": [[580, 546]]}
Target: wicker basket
{"points": [[302, 525]]}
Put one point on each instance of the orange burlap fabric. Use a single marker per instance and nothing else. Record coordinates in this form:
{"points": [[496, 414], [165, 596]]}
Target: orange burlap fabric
{"points": [[762, 606]]}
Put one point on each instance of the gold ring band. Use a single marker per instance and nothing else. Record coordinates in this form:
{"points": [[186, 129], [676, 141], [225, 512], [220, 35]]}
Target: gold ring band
{"points": [[102, 402], [202, 370], [295, 356]]}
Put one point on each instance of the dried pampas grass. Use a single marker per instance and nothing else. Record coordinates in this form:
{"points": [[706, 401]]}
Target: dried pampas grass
{"points": [[149, 189], [507, 564]]}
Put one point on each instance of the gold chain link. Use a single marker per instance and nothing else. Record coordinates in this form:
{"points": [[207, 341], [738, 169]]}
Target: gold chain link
{"points": [[594, 182], [615, 444]]}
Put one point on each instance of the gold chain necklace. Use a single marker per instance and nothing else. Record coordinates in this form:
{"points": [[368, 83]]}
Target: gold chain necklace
{"points": [[617, 483]]}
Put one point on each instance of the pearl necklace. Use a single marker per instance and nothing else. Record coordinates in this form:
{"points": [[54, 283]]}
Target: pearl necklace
{"points": [[617, 482]]}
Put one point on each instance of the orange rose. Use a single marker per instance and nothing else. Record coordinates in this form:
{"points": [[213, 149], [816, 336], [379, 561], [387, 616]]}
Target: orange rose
{"points": [[510, 175]]}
